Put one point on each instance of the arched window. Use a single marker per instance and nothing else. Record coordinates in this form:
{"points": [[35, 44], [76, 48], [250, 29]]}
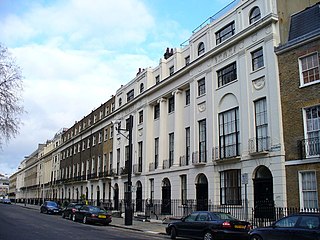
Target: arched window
{"points": [[200, 48], [141, 87], [255, 15]]}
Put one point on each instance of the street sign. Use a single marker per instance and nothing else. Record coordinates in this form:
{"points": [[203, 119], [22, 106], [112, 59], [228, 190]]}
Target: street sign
{"points": [[244, 178]]}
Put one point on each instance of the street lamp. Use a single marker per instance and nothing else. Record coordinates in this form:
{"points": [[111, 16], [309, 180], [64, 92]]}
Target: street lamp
{"points": [[128, 194]]}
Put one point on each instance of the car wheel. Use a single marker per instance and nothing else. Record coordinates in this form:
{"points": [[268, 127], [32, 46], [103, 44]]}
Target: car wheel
{"points": [[256, 237], [173, 233], [208, 236], [73, 217], [84, 220]]}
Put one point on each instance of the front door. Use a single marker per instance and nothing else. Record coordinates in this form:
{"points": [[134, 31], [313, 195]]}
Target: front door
{"points": [[139, 197], [263, 194], [116, 197], [166, 197], [202, 193]]}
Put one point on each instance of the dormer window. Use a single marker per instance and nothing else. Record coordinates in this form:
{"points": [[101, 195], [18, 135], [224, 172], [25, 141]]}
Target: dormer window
{"points": [[201, 48], [130, 95], [141, 87], [157, 79], [225, 33], [171, 70], [120, 102], [255, 15], [187, 60]]}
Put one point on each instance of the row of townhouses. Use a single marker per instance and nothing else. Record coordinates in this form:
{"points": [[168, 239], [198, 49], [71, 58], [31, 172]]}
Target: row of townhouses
{"points": [[230, 119]]}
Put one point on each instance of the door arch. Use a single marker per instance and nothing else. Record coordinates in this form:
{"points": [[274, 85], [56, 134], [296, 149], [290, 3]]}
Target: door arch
{"points": [[116, 196], [202, 192], [166, 197], [263, 193], [139, 197]]}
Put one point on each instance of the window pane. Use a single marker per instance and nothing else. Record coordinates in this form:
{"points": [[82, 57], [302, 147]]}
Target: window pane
{"points": [[310, 68], [309, 189]]}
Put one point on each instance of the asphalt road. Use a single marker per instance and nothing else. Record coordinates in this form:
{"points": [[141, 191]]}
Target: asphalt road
{"points": [[21, 223]]}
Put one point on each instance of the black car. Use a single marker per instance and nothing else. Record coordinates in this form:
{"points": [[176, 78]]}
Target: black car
{"points": [[303, 226], [92, 214], [208, 226], [70, 209], [50, 207]]}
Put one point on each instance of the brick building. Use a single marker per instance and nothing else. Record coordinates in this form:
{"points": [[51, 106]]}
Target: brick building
{"points": [[300, 98]]}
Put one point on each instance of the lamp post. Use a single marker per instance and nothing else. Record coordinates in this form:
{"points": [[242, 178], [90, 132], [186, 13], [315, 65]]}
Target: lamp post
{"points": [[128, 205], [128, 195]]}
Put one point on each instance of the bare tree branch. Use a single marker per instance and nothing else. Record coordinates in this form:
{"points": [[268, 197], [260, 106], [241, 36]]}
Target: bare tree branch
{"points": [[10, 96]]}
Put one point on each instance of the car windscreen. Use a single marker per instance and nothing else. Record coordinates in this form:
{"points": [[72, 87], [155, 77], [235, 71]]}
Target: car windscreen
{"points": [[51, 204], [96, 209], [224, 216]]}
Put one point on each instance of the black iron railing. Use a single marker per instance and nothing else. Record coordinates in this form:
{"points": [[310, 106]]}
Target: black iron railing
{"points": [[309, 147]]}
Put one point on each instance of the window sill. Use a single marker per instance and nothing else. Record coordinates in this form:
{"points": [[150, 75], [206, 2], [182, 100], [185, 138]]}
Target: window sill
{"points": [[303, 85]]}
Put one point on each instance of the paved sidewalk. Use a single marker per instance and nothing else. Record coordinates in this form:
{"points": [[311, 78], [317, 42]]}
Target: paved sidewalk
{"points": [[154, 226]]}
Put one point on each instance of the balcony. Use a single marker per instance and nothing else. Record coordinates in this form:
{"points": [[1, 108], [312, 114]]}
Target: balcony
{"points": [[259, 145], [184, 161], [151, 167], [111, 172], [226, 152], [137, 168], [92, 176], [123, 171], [166, 164], [310, 147], [199, 158]]}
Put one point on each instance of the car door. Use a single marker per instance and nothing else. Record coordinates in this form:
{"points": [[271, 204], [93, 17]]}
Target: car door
{"points": [[186, 227], [201, 224], [284, 229], [81, 212], [308, 228]]}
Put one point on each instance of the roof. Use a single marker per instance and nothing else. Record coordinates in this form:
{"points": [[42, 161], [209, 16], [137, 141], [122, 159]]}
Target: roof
{"points": [[304, 22]]}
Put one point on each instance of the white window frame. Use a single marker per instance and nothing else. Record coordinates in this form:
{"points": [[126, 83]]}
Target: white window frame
{"points": [[302, 205], [306, 135], [302, 83]]}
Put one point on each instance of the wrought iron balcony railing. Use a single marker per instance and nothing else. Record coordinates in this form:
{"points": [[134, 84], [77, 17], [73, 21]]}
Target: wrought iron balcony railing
{"points": [[225, 152], [199, 158], [259, 145], [137, 168], [184, 161], [123, 171], [310, 147], [151, 167]]}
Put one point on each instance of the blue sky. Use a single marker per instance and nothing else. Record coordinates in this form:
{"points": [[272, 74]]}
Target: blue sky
{"points": [[76, 53]]}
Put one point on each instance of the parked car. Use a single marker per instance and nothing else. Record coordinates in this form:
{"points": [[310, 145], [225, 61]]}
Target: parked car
{"points": [[92, 214], [5, 201], [208, 226], [67, 211], [303, 226], [50, 207]]}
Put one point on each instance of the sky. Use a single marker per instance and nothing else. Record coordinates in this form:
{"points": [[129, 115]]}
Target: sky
{"points": [[75, 54]]}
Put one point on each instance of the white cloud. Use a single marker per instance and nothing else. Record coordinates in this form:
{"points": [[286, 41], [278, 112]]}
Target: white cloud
{"points": [[106, 23], [74, 55]]}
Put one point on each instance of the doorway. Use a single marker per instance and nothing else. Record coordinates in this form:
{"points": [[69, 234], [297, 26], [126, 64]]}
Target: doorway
{"points": [[139, 197], [263, 193], [166, 197], [116, 197], [202, 193]]}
